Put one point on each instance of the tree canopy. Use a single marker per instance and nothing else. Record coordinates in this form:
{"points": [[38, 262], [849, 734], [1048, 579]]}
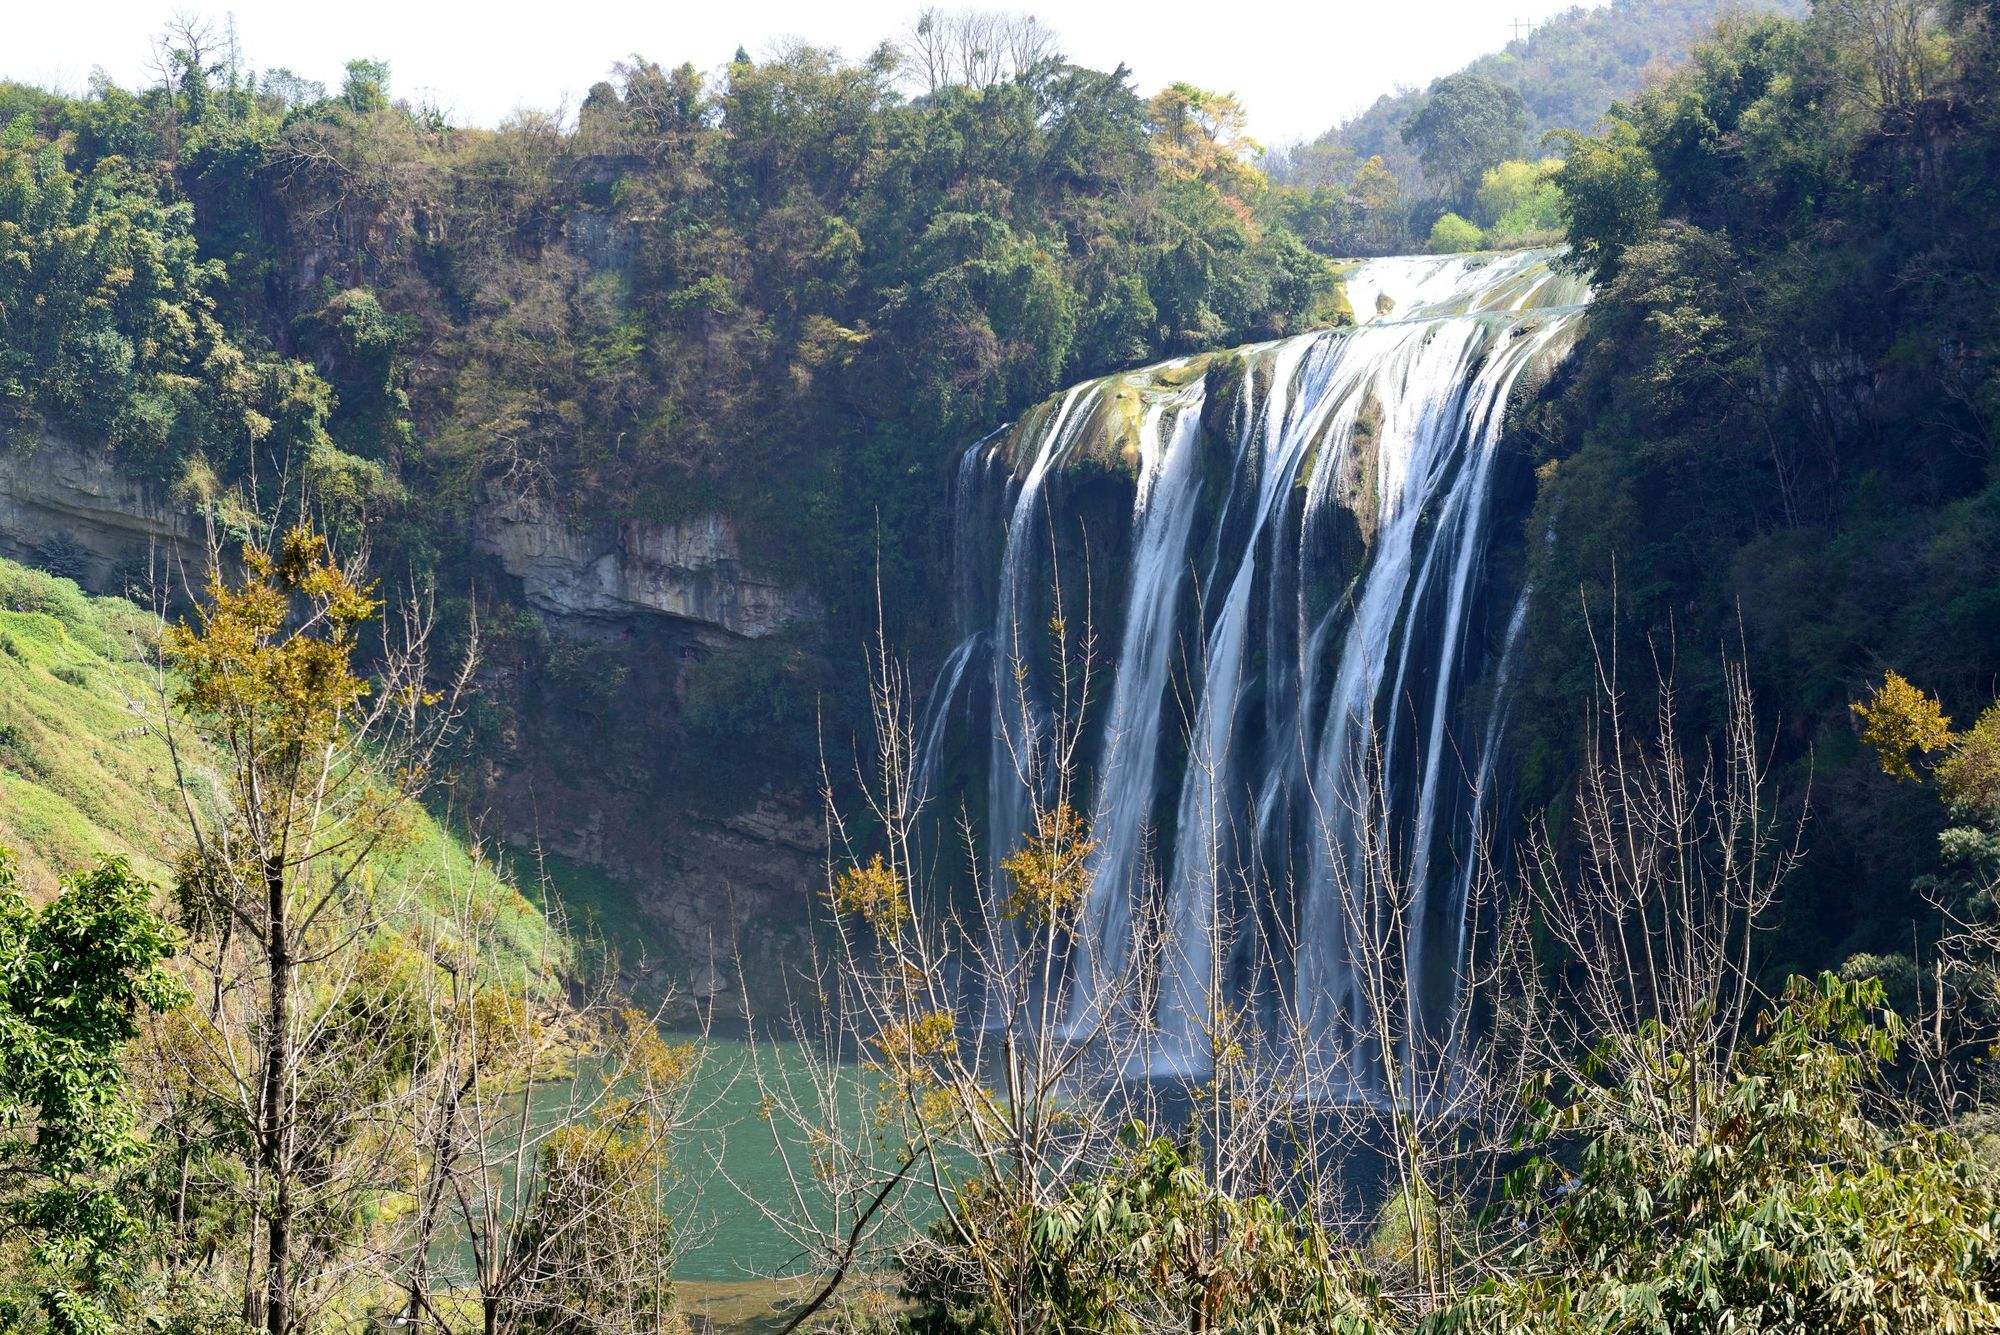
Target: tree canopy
{"points": [[1466, 127]]}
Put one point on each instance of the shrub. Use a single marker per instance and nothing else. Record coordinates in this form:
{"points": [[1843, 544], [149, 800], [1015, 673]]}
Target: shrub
{"points": [[1777, 1204], [26, 590], [746, 694], [1139, 1248], [1453, 235], [1519, 202]]}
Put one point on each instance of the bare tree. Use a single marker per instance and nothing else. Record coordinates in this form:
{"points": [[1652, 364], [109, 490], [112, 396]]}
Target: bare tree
{"points": [[1897, 55], [545, 1129], [1432, 1082], [186, 55], [983, 1097], [188, 46], [1679, 856], [972, 48]]}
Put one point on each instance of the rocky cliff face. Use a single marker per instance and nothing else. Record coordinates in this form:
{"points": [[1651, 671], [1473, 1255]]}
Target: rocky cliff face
{"points": [[691, 570], [720, 881], [71, 509], [717, 884]]}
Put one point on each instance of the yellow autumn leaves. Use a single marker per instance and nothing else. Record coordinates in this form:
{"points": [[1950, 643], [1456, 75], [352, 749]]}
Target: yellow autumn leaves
{"points": [[873, 892], [1048, 875], [271, 656], [915, 1045], [1901, 721]]}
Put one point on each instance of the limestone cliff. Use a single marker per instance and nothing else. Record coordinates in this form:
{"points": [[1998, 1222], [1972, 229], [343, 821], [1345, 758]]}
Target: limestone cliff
{"points": [[72, 504], [688, 569], [703, 870]]}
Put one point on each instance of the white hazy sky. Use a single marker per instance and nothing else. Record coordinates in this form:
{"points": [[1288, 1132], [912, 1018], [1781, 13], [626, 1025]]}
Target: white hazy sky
{"points": [[1298, 66]]}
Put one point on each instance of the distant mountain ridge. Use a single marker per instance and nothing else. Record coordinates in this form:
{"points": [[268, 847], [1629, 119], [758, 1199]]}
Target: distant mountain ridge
{"points": [[1568, 71]]}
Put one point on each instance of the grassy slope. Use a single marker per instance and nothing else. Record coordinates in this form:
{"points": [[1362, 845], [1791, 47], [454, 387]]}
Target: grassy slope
{"points": [[84, 772]]}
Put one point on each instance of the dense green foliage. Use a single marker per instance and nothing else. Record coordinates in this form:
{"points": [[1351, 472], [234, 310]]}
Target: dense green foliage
{"points": [[1150, 1245], [1762, 1197], [76, 975], [1520, 203], [1781, 423], [1451, 235], [107, 324], [1693, 1194], [1466, 127], [793, 272]]}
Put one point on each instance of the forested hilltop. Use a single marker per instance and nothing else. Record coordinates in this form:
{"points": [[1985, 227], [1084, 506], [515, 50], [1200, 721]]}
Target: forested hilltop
{"points": [[1565, 73], [777, 289]]}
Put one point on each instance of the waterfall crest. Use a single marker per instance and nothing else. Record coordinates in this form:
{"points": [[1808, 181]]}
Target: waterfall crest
{"points": [[1305, 647]]}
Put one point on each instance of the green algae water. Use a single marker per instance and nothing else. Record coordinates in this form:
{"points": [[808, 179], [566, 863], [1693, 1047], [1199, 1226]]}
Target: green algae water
{"points": [[730, 1162]]}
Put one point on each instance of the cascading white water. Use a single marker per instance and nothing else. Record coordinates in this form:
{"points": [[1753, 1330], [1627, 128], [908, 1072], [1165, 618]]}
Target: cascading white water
{"points": [[1443, 393], [1126, 772], [1310, 528]]}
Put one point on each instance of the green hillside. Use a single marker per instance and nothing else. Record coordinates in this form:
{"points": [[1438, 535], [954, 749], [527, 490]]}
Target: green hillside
{"points": [[85, 770]]}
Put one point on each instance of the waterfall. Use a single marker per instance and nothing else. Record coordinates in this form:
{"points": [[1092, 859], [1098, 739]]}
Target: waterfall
{"points": [[1311, 649], [1126, 772], [935, 725]]}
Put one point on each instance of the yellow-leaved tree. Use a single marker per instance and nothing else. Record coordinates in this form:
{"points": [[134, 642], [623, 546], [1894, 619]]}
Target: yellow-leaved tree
{"points": [[382, 1092], [1200, 135], [307, 1015], [1899, 719]]}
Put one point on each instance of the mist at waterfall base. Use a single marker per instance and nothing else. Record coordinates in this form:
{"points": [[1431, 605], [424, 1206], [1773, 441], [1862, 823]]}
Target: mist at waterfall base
{"points": [[1301, 564]]}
